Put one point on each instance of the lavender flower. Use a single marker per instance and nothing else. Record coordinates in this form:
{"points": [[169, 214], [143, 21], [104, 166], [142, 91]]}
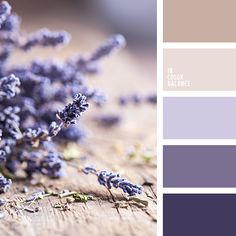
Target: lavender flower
{"points": [[11, 23], [32, 162], [85, 66], [2, 156], [89, 169], [53, 129], [95, 95], [4, 55], [46, 38], [2, 202], [109, 180], [5, 10], [152, 98], [73, 110], [72, 134], [9, 121], [34, 136], [4, 184], [112, 44], [52, 165], [90, 65], [136, 99], [9, 87], [108, 120], [122, 100]]}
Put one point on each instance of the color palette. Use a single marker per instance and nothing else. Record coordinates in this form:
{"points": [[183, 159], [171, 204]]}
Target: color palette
{"points": [[199, 108]]}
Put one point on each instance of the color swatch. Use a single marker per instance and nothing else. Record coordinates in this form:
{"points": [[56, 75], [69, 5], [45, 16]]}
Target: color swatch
{"points": [[199, 21], [199, 214], [199, 69], [199, 117], [199, 166]]}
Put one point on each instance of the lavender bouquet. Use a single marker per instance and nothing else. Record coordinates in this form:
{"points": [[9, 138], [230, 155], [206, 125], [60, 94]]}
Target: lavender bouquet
{"points": [[34, 111]]}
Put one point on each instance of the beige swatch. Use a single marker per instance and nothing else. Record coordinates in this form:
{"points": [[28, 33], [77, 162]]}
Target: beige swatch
{"points": [[199, 21], [200, 69]]}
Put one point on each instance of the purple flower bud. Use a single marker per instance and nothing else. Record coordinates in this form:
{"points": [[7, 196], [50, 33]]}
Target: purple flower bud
{"points": [[123, 100], [73, 110], [11, 23], [110, 180], [2, 202], [9, 121], [33, 163], [136, 98], [2, 156], [152, 98], [5, 10], [89, 169], [108, 120], [112, 44], [52, 165], [53, 129], [9, 87], [32, 136], [97, 96], [4, 184], [72, 134], [46, 38], [4, 55]]}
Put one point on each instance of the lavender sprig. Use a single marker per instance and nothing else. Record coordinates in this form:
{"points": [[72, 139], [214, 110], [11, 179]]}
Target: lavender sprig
{"points": [[5, 10], [46, 38], [90, 65], [52, 165], [109, 180], [112, 44], [136, 99], [9, 87], [108, 120], [11, 23], [4, 184], [73, 110], [2, 156]]}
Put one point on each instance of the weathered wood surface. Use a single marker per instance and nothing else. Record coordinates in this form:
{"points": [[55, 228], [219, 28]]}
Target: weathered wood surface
{"points": [[106, 149]]}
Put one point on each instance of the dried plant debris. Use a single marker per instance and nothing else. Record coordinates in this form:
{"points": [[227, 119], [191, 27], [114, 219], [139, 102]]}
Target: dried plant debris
{"points": [[29, 203], [35, 115], [132, 201], [138, 152]]}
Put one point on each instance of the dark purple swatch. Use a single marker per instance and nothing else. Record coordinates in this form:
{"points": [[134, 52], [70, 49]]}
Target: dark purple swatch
{"points": [[199, 214]]}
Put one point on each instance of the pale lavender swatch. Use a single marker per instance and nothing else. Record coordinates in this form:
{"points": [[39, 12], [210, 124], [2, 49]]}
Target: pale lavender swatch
{"points": [[199, 118]]}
